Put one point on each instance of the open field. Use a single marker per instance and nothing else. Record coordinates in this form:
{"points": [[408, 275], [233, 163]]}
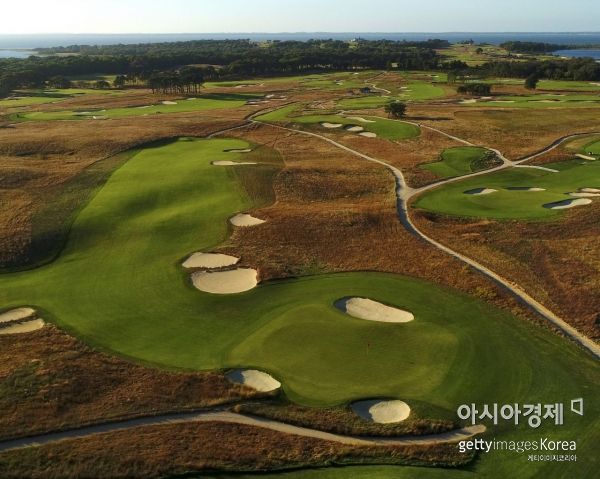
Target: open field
{"points": [[206, 102], [510, 197]]}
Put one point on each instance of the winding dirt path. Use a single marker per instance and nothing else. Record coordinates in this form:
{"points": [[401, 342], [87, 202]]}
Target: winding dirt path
{"points": [[404, 194], [235, 418]]}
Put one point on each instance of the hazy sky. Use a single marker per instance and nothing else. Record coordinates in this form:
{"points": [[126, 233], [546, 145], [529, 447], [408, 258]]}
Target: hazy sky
{"points": [[212, 16]]}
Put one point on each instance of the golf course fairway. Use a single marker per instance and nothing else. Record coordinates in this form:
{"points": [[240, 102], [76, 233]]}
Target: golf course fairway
{"points": [[508, 202], [119, 285]]}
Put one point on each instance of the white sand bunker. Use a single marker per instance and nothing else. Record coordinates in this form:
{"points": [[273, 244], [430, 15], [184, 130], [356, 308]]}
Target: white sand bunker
{"points": [[363, 308], [209, 260], [243, 219], [326, 124], [17, 314], [504, 101], [468, 102], [19, 320], [589, 190], [225, 282], [255, 379], [564, 204], [368, 134], [525, 188], [231, 163], [358, 118], [167, 102], [583, 194], [585, 157], [238, 150], [100, 117], [383, 412], [25, 327], [355, 128], [480, 191]]}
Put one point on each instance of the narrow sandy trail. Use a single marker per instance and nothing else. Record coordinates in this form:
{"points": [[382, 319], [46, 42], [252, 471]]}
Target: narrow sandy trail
{"points": [[404, 193], [235, 418]]}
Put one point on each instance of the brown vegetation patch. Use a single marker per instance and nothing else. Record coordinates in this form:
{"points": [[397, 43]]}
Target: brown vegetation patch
{"points": [[557, 262], [50, 381], [174, 449], [344, 421]]}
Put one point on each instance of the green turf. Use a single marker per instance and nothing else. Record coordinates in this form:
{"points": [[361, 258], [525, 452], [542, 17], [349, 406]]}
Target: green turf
{"points": [[450, 199], [562, 85], [364, 102], [421, 91], [206, 102], [592, 148], [119, 285], [384, 128], [456, 161]]}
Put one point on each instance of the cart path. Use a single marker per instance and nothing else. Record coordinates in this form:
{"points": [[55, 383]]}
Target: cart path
{"points": [[404, 193], [455, 435]]}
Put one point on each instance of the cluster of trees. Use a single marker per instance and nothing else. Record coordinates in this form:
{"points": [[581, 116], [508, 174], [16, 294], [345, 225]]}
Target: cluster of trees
{"points": [[234, 58], [533, 47], [578, 69], [481, 89], [186, 80]]}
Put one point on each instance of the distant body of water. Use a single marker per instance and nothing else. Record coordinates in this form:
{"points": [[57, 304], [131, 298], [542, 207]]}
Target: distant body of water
{"points": [[16, 53], [13, 45], [579, 53]]}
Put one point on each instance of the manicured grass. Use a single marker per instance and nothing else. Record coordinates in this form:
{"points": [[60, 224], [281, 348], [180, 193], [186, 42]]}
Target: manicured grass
{"points": [[503, 204], [559, 85], [206, 102], [364, 102], [38, 97], [592, 148], [457, 161], [119, 285], [420, 91], [389, 129]]}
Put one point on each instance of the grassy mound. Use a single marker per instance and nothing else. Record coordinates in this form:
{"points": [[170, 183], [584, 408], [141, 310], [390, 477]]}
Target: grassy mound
{"points": [[461, 161]]}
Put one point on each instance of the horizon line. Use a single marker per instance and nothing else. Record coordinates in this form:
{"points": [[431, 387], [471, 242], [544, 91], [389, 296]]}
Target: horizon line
{"points": [[306, 32]]}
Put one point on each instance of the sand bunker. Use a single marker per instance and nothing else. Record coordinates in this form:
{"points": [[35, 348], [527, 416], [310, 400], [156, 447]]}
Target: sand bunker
{"points": [[168, 102], [225, 282], [255, 379], [231, 163], [358, 118], [368, 134], [383, 412], [331, 125], [17, 314], [101, 117], [480, 191], [363, 308], [583, 194], [585, 157], [145, 106], [243, 219], [24, 327], [589, 190], [209, 260], [355, 129], [468, 102], [564, 204], [238, 150], [525, 188], [504, 101]]}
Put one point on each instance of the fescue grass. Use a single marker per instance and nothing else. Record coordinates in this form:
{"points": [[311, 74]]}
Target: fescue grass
{"points": [[504, 204]]}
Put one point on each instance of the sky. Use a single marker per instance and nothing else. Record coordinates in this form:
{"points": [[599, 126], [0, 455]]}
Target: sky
{"points": [[214, 16]]}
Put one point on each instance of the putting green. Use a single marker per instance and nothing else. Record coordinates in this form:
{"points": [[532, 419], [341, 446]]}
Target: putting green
{"points": [[505, 203], [119, 284], [206, 102], [592, 148], [457, 161], [389, 129]]}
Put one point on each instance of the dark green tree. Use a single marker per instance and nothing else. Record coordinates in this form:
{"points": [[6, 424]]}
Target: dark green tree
{"points": [[395, 109]]}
